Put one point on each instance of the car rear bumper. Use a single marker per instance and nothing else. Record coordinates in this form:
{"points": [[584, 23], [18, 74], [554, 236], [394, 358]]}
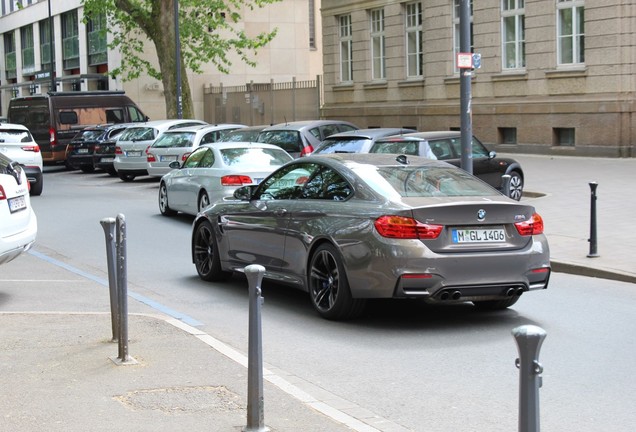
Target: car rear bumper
{"points": [[14, 245], [158, 171]]}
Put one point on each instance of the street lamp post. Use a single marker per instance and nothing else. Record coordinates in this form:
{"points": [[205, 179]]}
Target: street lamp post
{"points": [[51, 50], [465, 90]]}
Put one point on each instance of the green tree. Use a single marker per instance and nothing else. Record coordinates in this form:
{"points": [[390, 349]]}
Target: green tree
{"points": [[207, 33]]}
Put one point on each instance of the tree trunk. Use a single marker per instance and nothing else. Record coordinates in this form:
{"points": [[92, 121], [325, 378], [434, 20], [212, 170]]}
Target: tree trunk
{"points": [[164, 40]]}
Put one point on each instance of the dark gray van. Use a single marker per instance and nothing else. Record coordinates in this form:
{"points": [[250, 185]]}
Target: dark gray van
{"points": [[56, 117]]}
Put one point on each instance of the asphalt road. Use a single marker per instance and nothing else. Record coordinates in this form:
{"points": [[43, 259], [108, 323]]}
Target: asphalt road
{"points": [[424, 368]]}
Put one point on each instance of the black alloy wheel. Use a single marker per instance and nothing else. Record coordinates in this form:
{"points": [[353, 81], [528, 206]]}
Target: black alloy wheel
{"points": [[328, 286], [206, 254]]}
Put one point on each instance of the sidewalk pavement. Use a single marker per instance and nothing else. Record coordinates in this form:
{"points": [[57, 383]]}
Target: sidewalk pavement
{"points": [[60, 371]]}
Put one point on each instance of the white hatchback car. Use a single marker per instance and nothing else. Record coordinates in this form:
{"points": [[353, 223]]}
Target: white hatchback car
{"points": [[133, 143], [16, 142], [18, 224], [177, 144]]}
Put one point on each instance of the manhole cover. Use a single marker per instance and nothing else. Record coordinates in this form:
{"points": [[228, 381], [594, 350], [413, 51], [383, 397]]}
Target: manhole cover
{"points": [[182, 399]]}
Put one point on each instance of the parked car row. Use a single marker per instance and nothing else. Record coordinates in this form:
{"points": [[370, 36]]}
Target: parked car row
{"points": [[341, 213]]}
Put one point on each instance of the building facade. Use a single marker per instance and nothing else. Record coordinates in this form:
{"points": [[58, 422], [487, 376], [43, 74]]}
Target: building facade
{"points": [[555, 76], [82, 59]]}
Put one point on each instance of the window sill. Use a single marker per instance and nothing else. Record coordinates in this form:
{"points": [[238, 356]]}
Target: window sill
{"points": [[376, 85], [567, 72], [511, 76], [414, 82], [343, 87]]}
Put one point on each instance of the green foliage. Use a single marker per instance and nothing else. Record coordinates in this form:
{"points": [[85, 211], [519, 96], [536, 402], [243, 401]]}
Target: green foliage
{"points": [[208, 33]]}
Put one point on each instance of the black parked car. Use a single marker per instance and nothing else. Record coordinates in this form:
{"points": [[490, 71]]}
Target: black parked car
{"points": [[91, 149], [446, 146]]}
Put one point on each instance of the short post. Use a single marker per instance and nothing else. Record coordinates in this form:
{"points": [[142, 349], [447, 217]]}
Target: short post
{"points": [[593, 244], [255, 402], [505, 184], [122, 286], [529, 339], [108, 224]]}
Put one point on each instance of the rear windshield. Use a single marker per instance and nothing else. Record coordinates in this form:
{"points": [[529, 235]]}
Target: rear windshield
{"points": [[422, 181], [89, 135], [254, 158], [15, 136], [174, 139], [345, 145], [137, 134], [289, 141]]}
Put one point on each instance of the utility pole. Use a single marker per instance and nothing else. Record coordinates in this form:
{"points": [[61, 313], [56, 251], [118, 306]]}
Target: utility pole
{"points": [[465, 73], [51, 51]]}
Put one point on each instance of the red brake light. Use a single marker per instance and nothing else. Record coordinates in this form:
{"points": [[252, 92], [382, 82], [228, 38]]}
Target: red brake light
{"points": [[235, 180], [185, 156], [306, 151], [406, 228], [52, 136], [151, 158], [32, 148], [533, 226], [3, 195], [147, 148], [118, 150]]}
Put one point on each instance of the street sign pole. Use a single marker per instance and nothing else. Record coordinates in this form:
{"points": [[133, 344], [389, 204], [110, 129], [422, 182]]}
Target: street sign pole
{"points": [[465, 72]]}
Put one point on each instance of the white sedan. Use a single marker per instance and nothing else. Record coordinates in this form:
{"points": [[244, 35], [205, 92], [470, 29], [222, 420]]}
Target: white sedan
{"points": [[18, 224], [213, 172]]}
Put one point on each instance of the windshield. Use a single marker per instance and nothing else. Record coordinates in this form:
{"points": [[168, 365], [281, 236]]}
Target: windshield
{"points": [[137, 134], [256, 158]]}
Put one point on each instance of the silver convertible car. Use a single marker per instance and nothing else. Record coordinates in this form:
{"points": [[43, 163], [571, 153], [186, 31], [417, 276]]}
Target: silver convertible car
{"points": [[349, 227]]}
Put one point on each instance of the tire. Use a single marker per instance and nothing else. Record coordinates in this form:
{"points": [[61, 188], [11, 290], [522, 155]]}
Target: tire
{"points": [[329, 288], [164, 208], [126, 177], [112, 172], [36, 188], [516, 186], [205, 253], [204, 201], [492, 305]]}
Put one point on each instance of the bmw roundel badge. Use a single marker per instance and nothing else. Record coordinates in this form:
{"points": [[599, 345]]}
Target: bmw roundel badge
{"points": [[481, 214]]}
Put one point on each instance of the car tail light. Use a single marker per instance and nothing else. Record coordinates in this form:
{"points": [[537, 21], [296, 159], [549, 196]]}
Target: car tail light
{"points": [[32, 148], [236, 180], [417, 276], [147, 149], [533, 226], [151, 158], [184, 157], [3, 195], [406, 228], [306, 151], [118, 150], [52, 137]]}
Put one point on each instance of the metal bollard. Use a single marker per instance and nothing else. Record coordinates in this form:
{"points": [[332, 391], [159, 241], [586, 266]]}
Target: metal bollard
{"points": [[108, 224], [255, 402], [593, 244], [122, 286], [505, 184], [529, 339]]}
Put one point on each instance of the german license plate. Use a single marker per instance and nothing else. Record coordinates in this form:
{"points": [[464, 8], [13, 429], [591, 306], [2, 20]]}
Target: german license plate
{"points": [[167, 158], [133, 153], [82, 151], [108, 159], [16, 204], [478, 235]]}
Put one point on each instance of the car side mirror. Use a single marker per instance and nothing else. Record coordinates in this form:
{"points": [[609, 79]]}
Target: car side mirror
{"points": [[175, 164], [244, 193]]}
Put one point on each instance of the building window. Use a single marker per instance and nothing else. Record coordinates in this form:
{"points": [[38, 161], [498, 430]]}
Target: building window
{"points": [[378, 59], [570, 31], [97, 44], [414, 51], [346, 53], [564, 137], [9, 55], [513, 37], [45, 45], [456, 26], [70, 40], [508, 135], [28, 53]]}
